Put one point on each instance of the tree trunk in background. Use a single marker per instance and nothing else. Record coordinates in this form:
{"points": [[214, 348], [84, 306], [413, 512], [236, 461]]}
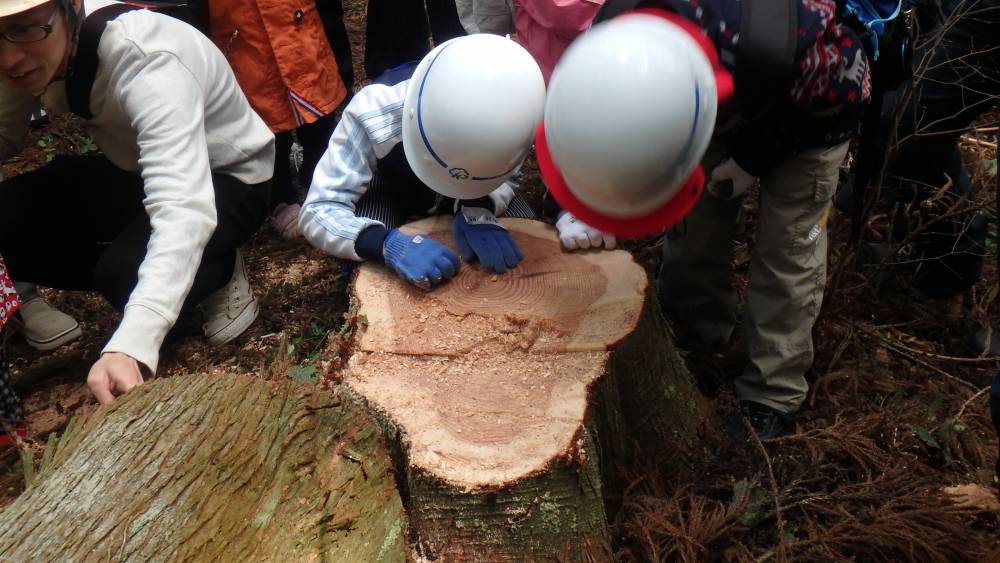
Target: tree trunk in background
{"points": [[508, 399], [209, 468]]}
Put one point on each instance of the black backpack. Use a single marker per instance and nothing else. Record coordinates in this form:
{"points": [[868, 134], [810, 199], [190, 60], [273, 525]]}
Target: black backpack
{"points": [[83, 67]]}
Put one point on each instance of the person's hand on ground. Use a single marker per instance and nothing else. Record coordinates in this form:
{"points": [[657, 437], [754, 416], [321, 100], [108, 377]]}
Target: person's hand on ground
{"points": [[115, 373]]}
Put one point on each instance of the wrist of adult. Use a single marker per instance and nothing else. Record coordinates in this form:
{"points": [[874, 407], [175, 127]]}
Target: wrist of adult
{"points": [[143, 368], [139, 335]]}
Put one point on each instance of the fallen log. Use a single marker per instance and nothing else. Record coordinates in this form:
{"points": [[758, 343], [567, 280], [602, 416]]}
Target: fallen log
{"points": [[508, 399], [212, 468]]}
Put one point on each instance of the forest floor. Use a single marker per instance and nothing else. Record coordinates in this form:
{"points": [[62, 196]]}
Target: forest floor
{"points": [[896, 414]]}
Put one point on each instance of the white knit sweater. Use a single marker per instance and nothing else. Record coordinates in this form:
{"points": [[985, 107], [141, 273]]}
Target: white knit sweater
{"points": [[167, 105]]}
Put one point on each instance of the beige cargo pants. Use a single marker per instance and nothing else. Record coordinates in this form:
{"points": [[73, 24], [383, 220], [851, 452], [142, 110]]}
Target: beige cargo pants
{"points": [[787, 275]]}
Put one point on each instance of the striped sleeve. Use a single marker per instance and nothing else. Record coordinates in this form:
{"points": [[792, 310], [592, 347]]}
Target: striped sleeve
{"points": [[369, 128]]}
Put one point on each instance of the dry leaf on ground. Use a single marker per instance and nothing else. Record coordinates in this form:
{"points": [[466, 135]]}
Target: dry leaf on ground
{"points": [[973, 496]]}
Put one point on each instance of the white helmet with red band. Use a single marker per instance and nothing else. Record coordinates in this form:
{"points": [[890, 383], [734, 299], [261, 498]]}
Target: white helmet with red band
{"points": [[630, 111], [470, 114]]}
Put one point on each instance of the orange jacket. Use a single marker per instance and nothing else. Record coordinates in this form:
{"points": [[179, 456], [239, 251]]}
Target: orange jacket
{"points": [[281, 58]]}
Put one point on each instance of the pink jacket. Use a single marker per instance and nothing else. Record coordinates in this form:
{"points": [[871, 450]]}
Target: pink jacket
{"points": [[546, 27]]}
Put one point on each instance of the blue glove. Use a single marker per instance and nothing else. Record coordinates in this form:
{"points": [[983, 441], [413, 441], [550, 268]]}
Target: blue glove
{"points": [[420, 260], [478, 235]]}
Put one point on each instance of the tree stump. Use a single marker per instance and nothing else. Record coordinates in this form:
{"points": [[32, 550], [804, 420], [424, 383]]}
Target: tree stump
{"points": [[497, 408], [508, 398], [213, 468]]}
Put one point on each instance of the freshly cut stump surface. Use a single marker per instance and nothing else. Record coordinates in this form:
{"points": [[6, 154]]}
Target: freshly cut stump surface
{"points": [[487, 377], [508, 399], [213, 468]]}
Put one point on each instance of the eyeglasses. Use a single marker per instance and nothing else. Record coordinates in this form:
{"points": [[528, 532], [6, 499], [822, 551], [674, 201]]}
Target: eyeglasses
{"points": [[30, 33]]}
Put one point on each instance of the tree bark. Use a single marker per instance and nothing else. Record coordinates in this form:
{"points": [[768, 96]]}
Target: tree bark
{"points": [[508, 399], [213, 468]]}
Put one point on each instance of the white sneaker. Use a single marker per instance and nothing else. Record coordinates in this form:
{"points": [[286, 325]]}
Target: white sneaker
{"points": [[231, 309], [44, 326]]}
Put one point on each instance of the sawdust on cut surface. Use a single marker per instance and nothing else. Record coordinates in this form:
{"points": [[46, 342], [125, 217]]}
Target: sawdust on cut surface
{"points": [[554, 301], [488, 375]]}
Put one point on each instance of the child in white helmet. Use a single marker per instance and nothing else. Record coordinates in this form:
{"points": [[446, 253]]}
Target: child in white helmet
{"points": [[622, 154], [444, 140]]}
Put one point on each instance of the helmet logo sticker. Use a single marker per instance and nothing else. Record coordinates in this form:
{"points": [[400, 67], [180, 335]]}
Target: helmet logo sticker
{"points": [[456, 172]]}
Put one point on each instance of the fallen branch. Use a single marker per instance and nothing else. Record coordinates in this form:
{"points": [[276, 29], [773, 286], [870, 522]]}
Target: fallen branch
{"points": [[780, 548], [906, 353], [46, 368], [943, 357], [968, 402], [975, 141]]}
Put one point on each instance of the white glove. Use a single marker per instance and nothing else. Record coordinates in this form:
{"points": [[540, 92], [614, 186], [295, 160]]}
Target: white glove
{"points": [[739, 180], [575, 234], [285, 220]]}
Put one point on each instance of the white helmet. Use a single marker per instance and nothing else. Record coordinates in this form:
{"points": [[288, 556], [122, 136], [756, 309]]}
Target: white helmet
{"points": [[471, 110], [630, 112], [11, 7]]}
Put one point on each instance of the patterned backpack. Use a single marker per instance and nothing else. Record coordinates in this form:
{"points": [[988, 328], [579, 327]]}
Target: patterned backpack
{"points": [[886, 29]]}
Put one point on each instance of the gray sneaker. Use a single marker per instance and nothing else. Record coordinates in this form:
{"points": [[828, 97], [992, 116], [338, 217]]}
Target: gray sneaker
{"points": [[231, 309], [44, 326]]}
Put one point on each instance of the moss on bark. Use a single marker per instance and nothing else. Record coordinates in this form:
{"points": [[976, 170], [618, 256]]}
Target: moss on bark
{"points": [[213, 467]]}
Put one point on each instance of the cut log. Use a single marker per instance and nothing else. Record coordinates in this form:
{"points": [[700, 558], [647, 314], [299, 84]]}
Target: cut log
{"points": [[508, 398], [213, 468]]}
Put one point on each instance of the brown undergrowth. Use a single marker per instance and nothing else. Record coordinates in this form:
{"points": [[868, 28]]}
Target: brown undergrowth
{"points": [[896, 412]]}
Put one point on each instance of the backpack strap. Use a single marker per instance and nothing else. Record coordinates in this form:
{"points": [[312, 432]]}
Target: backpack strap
{"points": [[765, 55], [83, 67]]}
